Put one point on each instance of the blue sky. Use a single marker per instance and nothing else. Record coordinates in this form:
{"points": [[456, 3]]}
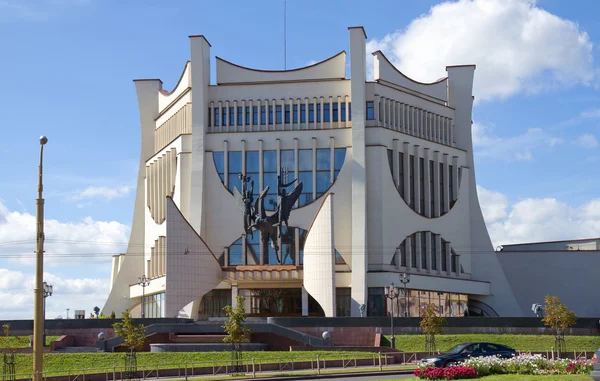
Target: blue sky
{"points": [[68, 67]]}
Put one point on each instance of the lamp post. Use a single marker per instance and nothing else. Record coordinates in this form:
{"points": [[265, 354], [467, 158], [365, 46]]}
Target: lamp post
{"points": [[143, 281], [47, 292], [38, 291], [405, 279], [391, 292], [68, 309]]}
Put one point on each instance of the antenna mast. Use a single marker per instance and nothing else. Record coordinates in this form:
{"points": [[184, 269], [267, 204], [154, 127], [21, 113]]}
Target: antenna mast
{"points": [[284, 35]]}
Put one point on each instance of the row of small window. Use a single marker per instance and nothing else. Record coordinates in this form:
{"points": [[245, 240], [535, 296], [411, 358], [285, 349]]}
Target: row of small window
{"points": [[154, 305], [255, 115], [287, 159], [423, 244], [421, 178], [448, 304]]}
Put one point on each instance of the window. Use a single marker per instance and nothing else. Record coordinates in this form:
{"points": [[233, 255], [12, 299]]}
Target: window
{"points": [[235, 168], [401, 177], [287, 161], [442, 191], [327, 112], [210, 120], [411, 189], [343, 111], [431, 190], [339, 260], [376, 302], [336, 109], [154, 305], [235, 253], [295, 112], [263, 115], [403, 254], [444, 254], [302, 113], [224, 115], [343, 301], [390, 154], [218, 158], [459, 177], [214, 301], [305, 166], [287, 114], [247, 122], [339, 155], [270, 178], [453, 261], [423, 250], [370, 110], [350, 111], [323, 170], [318, 113], [422, 185], [311, 113], [252, 170], [451, 183], [271, 114], [255, 115], [231, 116], [433, 252], [413, 251], [240, 116], [217, 113], [278, 117]]}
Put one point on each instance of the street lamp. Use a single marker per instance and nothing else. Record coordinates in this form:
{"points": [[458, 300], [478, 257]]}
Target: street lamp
{"points": [[405, 279], [47, 292], [38, 291], [143, 281], [391, 293]]}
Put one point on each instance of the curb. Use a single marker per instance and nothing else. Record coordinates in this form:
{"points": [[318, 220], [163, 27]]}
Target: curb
{"points": [[336, 375]]}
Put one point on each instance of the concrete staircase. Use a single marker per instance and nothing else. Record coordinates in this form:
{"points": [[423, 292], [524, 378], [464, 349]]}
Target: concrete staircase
{"points": [[77, 350]]}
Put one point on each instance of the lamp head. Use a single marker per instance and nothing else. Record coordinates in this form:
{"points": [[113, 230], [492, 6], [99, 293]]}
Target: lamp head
{"points": [[43, 140]]}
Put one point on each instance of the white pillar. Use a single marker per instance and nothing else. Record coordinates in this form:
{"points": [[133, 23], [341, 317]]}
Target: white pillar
{"points": [[226, 163], [331, 159], [406, 169], [426, 183], [304, 302], [446, 184], [314, 168], [416, 176], [395, 163]]}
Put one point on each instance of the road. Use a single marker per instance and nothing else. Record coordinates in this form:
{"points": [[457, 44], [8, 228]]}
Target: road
{"points": [[372, 377]]}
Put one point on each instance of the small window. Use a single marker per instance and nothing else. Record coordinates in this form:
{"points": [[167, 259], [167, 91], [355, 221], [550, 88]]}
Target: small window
{"points": [[287, 113], [231, 116], [278, 116], [318, 113], [255, 115], [217, 113], [343, 112], [326, 112], [370, 110], [295, 112], [247, 116], [311, 113], [302, 113], [263, 115], [335, 112], [224, 115], [240, 116]]}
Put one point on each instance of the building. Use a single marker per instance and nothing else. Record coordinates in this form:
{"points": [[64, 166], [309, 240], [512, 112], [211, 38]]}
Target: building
{"points": [[388, 187]]}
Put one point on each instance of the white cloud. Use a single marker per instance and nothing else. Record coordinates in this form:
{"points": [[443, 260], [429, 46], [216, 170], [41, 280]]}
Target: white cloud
{"points": [[537, 219], [587, 141], [66, 242], [16, 297], [35, 10], [514, 44], [514, 148], [106, 193]]}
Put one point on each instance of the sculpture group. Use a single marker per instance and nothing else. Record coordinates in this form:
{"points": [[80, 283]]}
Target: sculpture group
{"points": [[255, 214]]}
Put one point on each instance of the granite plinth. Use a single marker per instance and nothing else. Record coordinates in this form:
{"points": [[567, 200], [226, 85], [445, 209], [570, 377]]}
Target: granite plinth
{"points": [[205, 347]]}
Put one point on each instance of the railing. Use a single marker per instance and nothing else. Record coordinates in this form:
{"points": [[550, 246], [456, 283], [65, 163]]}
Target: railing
{"points": [[372, 362]]}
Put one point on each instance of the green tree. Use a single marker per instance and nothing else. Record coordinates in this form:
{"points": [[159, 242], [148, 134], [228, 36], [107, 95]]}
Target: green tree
{"points": [[134, 335], [236, 332], [113, 315], [431, 325], [559, 319]]}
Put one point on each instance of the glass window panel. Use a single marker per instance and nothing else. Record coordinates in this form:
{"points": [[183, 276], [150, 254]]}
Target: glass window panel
{"points": [[263, 115], [231, 116], [339, 157], [287, 161], [278, 119], [318, 113], [326, 112], [311, 113], [323, 159], [335, 112], [224, 115], [234, 181], [240, 115], [252, 162], [295, 112], [218, 157], [370, 110], [305, 162], [235, 162], [335, 175], [350, 111], [217, 113], [303, 113], [235, 255], [270, 161], [270, 180], [376, 302], [323, 182], [343, 111], [210, 121], [270, 114], [272, 255], [255, 115], [247, 116]]}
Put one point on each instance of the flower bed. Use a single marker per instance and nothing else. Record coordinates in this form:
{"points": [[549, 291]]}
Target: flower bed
{"points": [[522, 364]]}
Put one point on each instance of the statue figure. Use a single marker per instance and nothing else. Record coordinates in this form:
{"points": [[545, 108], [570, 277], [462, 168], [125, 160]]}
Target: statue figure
{"points": [[256, 217], [362, 309]]}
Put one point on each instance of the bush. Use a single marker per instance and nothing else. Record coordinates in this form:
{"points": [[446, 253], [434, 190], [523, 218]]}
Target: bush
{"points": [[528, 364]]}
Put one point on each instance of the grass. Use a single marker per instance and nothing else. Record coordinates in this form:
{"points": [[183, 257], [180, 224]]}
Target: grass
{"points": [[20, 341], [62, 363], [525, 377], [416, 343]]}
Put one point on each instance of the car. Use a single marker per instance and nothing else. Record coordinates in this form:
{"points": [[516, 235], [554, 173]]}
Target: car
{"points": [[465, 351]]}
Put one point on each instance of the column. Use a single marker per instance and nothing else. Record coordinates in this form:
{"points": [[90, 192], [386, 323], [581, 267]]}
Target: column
{"points": [[406, 170], [395, 164], [211, 118], [384, 111], [151, 262], [339, 112], [348, 112], [159, 200], [234, 293], [428, 251], [457, 260], [331, 159], [274, 105], [454, 175], [436, 184], [315, 102], [314, 168], [426, 183], [235, 116], [321, 112], [225, 256], [438, 252], [304, 302], [251, 122], [331, 112], [306, 124], [376, 107], [390, 109], [296, 165], [451, 123], [261, 186], [446, 194], [155, 259], [244, 122], [226, 163], [417, 174], [448, 253]]}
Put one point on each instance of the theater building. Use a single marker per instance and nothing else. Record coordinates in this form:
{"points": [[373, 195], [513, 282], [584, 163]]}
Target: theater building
{"points": [[388, 188]]}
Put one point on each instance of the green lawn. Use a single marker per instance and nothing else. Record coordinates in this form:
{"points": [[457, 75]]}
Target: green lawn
{"points": [[61, 363], [416, 343], [524, 377], [20, 341]]}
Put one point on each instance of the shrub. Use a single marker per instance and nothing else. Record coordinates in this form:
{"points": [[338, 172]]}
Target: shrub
{"points": [[459, 372]]}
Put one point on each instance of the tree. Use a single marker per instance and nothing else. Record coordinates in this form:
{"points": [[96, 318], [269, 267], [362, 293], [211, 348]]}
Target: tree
{"points": [[133, 335], [97, 311], [558, 318], [236, 332], [8, 368], [113, 315], [431, 325]]}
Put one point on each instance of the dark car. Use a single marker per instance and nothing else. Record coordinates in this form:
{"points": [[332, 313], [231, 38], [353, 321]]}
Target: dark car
{"points": [[462, 352]]}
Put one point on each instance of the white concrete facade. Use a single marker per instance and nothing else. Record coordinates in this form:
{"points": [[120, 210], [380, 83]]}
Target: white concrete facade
{"points": [[388, 175]]}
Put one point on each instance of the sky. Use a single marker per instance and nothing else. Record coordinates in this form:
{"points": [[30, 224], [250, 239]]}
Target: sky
{"points": [[67, 68]]}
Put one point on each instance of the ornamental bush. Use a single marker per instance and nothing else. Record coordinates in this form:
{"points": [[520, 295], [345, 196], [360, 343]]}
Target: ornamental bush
{"points": [[458, 372]]}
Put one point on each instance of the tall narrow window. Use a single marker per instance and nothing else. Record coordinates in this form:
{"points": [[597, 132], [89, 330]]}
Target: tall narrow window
{"points": [[224, 115], [278, 116], [217, 118], [451, 183], [270, 178], [218, 158], [350, 111], [433, 252], [370, 110], [318, 113], [235, 168], [431, 189], [335, 112], [444, 255], [302, 113], [231, 116], [442, 190], [343, 111], [255, 115], [411, 189], [413, 250], [323, 170], [422, 185], [287, 114], [210, 121], [240, 115], [253, 170], [295, 112], [326, 112], [403, 254], [305, 167], [453, 266], [270, 114], [311, 113], [390, 154], [263, 115], [401, 176], [338, 161], [247, 121], [423, 250]]}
